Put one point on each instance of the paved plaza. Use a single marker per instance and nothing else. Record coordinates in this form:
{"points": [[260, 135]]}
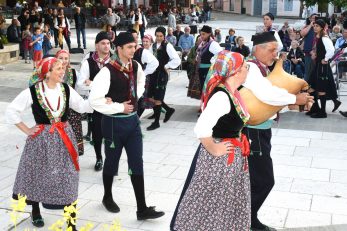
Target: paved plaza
{"points": [[309, 156]]}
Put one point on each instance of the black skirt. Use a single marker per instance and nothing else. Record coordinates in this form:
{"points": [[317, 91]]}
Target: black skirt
{"points": [[157, 85], [322, 80]]}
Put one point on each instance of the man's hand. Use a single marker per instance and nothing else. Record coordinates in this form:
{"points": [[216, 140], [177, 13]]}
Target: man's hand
{"points": [[324, 62], [303, 98], [128, 108], [87, 82]]}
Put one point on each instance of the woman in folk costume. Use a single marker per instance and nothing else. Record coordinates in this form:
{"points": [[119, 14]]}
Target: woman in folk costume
{"points": [[70, 78], [48, 171], [218, 196], [321, 79], [193, 72]]}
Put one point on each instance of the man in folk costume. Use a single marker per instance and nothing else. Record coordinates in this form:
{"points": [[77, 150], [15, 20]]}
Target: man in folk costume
{"points": [[168, 59], [62, 24], [89, 69], [149, 64], [265, 49], [205, 51], [122, 80]]}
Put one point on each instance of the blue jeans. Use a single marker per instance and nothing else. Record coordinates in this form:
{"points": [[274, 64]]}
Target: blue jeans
{"points": [[79, 31], [308, 61], [297, 68]]}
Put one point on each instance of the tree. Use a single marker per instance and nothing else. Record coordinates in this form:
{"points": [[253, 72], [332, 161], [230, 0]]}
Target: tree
{"points": [[339, 3]]}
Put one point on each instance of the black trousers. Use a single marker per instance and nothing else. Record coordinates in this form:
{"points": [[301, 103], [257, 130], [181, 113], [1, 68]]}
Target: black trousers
{"points": [[96, 133], [260, 167]]}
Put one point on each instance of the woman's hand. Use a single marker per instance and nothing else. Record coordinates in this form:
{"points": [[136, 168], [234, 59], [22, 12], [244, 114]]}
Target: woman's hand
{"points": [[32, 131], [216, 149], [109, 100]]}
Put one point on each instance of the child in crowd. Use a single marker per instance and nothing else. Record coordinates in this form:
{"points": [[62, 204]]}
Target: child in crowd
{"points": [[37, 40], [46, 44], [230, 40], [111, 35], [286, 62], [26, 40]]}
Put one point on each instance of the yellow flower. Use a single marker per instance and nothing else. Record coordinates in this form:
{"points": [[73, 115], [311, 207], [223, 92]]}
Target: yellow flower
{"points": [[17, 206]]}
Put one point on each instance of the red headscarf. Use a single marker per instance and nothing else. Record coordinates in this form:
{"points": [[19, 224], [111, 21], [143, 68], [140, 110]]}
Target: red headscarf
{"points": [[45, 66]]}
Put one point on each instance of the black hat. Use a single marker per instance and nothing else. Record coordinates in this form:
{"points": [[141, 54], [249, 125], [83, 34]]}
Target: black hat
{"points": [[101, 36], [124, 38], [132, 31], [320, 22], [161, 30], [206, 29], [270, 16], [264, 37]]}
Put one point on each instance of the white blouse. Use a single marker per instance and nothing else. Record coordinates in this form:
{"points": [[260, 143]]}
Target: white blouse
{"points": [[24, 101]]}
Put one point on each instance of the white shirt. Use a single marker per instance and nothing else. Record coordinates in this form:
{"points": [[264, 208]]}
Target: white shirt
{"points": [[175, 60], [24, 101], [83, 76], [217, 106], [150, 60], [329, 48], [214, 48], [101, 86], [63, 23], [263, 89]]}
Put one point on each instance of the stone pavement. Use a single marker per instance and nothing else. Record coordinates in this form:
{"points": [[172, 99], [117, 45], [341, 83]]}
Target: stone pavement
{"points": [[310, 159]]}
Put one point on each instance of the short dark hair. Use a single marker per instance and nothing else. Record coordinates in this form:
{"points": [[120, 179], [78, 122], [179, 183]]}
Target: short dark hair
{"points": [[37, 28]]}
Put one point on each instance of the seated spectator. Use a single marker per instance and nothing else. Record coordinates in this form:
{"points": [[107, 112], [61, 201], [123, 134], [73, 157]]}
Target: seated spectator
{"points": [[286, 62], [14, 32], [230, 40], [170, 37], [342, 40], [296, 57], [335, 34], [287, 39], [186, 42], [241, 47], [177, 33], [217, 36]]}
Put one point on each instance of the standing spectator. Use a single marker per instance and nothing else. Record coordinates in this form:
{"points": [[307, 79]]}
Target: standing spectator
{"points": [[37, 40], [49, 19], [308, 34], [112, 19], [24, 19], [2, 25], [333, 21], [80, 24], [335, 34], [61, 4], [296, 56], [34, 18], [172, 18], [209, 12], [186, 42], [55, 30], [111, 35], [230, 40], [26, 40], [286, 41], [139, 22], [217, 36], [241, 47], [193, 21], [63, 25], [342, 40], [14, 32], [177, 33], [46, 45], [284, 30], [170, 37]]}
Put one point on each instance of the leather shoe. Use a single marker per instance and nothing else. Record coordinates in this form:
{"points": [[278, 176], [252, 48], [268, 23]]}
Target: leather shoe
{"points": [[149, 213], [98, 165], [319, 115], [37, 221], [344, 113], [110, 205], [153, 126], [168, 114]]}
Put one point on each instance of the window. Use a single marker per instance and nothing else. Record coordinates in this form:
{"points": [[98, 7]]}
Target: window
{"points": [[231, 6], [288, 5]]}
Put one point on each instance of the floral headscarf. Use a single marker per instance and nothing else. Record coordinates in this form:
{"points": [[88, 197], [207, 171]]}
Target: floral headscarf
{"points": [[43, 67], [226, 64]]}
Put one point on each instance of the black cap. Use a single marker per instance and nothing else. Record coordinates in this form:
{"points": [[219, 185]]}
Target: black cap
{"points": [[264, 37], [321, 23], [124, 38], [270, 15], [206, 29], [161, 30], [101, 36]]}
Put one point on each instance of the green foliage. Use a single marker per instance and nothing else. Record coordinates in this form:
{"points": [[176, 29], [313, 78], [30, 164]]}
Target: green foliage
{"points": [[339, 3]]}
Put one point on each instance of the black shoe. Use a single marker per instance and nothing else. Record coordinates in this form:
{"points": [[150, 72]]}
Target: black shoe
{"points": [[336, 105], [266, 228], [152, 117], [110, 205], [149, 213], [84, 47], [168, 114], [319, 115], [56, 46], [37, 221], [344, 113], [87, 138], [98, 165], [79, 46], [153, 126]]}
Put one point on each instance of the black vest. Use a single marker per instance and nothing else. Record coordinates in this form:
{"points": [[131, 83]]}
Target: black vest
{"points": [[39, 113], [162, 56], [120, 85], [207, 55], [93, 68], [138, 56], [320, 50], [229, 125]]}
